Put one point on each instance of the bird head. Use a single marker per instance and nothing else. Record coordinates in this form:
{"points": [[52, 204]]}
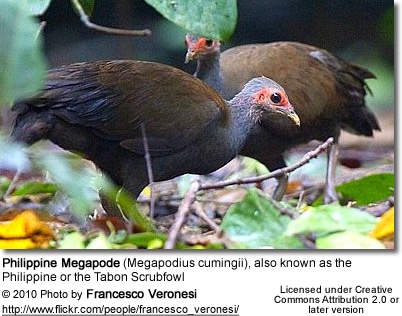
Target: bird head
{"points": [[200, 47], [270, 98]]}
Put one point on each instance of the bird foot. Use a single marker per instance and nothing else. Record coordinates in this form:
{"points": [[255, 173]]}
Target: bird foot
{"points": [[330, 195]]}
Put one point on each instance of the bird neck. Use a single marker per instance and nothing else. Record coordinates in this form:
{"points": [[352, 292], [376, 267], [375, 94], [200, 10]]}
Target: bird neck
{"points": [[209, 71], [243, 118]]}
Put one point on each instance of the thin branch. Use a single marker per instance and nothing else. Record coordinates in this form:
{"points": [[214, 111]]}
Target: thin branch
{"points": [[40, 29], [181, 215], [279, 172], [284, 211], [196, 186], [307, 242], [300, 199], [85, 19], [148, 162], [13, 184], [200, 212]]}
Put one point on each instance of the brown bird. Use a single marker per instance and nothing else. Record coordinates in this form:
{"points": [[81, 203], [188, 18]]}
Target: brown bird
{"points": [[103, 110], [327, 93]]}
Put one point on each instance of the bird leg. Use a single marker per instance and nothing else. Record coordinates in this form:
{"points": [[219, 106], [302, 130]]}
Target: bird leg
{"points": [[150, 173], [280, 187], [330, 194]]}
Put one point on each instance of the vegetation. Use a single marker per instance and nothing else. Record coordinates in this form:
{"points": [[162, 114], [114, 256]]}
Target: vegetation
{"points": [[35, 183]]}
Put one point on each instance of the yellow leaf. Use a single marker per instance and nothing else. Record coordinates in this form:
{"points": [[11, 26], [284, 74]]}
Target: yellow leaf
{"points": [[385, 227], [147, 191], [17, 243], [25, 230]]}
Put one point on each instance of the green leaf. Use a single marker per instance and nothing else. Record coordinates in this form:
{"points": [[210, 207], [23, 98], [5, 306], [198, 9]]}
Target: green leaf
{"points": [[184, 182], [253, 166], [386, 25], [210, 246], [74, 178], [208, 18], [87, 6], [348, 240], [35, 187], [147, 240], [99, 242], [370, 189], [13, 156], [327, 219], [38, 7], [71, 240], [4, 184], [128, 207], [22, 64], [256, 223]]}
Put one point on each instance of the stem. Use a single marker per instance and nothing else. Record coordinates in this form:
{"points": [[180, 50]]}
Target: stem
{"points": [[85, 19]]}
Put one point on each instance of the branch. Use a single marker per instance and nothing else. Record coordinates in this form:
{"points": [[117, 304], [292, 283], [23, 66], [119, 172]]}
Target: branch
{"points": [[200, 212], [190, 197], [282, 209], [182, 213], [13, 184], [85, 19], [279, 172], [148, 162], [40, 29]]}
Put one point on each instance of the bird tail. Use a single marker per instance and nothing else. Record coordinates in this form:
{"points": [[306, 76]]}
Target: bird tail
{"points": [[31, 123], [362, 121]]}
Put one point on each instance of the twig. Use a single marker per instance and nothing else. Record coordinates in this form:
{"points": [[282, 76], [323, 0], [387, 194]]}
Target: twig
{"points": [[307, 242], [195, 187], [182, 213], [40, 29], [281, 208], [200, 212], [300, 199], [148, 162], [279, 172], [13, 184], [85, 19]]}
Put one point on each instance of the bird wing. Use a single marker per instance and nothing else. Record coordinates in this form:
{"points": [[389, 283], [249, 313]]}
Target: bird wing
{"points": [[116, 98]]}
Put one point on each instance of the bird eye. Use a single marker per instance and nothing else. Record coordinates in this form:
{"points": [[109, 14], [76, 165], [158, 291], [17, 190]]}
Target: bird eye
{"points": [[276, 97], [208, 42]]}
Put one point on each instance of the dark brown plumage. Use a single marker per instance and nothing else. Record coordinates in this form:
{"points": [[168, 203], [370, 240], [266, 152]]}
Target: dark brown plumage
{"points": [[98, 109], [327, 94]]}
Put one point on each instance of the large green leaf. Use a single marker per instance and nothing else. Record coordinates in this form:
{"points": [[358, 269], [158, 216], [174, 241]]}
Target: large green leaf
{"points": [[370, 189], [22, 65], [38, 7], [327, 219], [209, 18], [256, 223]]}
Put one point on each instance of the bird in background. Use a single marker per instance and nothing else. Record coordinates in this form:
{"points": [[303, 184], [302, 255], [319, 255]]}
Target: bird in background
{"points": [[327, 92]]}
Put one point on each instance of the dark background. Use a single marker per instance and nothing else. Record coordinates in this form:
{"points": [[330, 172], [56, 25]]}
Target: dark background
{"points": [[360, 31], [346, 27]]}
